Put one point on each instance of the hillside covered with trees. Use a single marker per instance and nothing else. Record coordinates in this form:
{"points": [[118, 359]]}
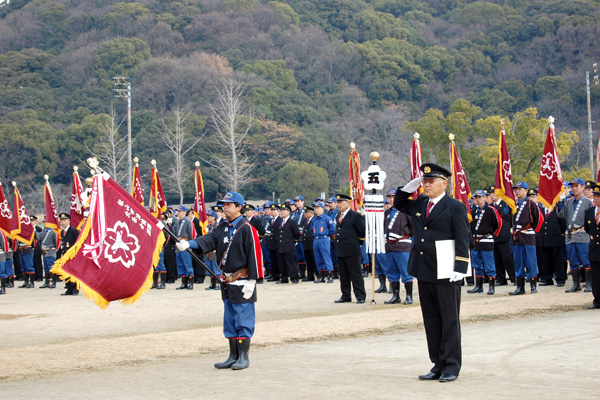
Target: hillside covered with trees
{"points": [[315, 75]]}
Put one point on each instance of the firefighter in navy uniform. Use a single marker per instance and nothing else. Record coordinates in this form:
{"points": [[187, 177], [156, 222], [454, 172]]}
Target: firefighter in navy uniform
{"points": [[503, 255], [68, 237], [485, 225], [307, 238], [550, 244], [288, 233], [238, 253], [592, 227]]}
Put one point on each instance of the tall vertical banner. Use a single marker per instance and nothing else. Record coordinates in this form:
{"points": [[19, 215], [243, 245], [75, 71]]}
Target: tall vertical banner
{"points": [[551, 180], [51, 214], [199, 204], [5, 213], [21, 229], [157, 202], [77, 202], [119, 245], [598, 160], [459, 189], [136, 186], [415, 163], [504, 180], [357, 191]]}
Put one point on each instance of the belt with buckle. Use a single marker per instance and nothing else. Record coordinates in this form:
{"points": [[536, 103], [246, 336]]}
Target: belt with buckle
{"points": [[234, 276]]}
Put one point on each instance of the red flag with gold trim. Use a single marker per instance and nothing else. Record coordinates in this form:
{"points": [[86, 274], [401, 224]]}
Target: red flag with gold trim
{"points": [[551, 180], [598, 159], [136, 186], [459, 189], [77, 202], [504, 180], [199, 204], [21, 229], [157, 202], [5, 213], [119, 245], [51, 214], [357, 191], [415, 163]]}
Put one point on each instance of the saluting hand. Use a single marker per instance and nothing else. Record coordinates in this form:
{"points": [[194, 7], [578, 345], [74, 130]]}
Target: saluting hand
{"points": [[412, 186]]}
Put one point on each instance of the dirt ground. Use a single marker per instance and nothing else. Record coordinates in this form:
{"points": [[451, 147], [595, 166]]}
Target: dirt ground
{"points": [[305, 346]]}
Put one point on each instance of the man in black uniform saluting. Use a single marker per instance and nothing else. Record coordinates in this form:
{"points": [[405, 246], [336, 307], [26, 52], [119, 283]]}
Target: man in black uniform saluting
{"points": [[441, 226]]}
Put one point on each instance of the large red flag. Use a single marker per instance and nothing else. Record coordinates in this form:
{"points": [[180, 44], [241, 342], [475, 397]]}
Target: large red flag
{"points": [[21, 229], [504, 180], [51, 214], [5, 213], [598, 159], [136, 185], [77, 202], [119, 245], [157, 202], [415, 163], [357, 191], [460, 189], [199, 205], [551, 181]]}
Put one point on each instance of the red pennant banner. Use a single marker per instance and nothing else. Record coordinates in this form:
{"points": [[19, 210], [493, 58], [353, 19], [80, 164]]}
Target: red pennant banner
{"points": [[136, 186], [118, 247], [77, 203], [504, 180], [199, 205], [415, 163], [460, 189], [551, 181], [51, 214], [157, 203], [21, 229], [5, 213]]}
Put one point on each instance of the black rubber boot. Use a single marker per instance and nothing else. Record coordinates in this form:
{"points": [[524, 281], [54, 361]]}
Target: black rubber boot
{"points": [[163, 280], [321, 278], [576, 285], [3, 286], [11, 282], [31, 283], [365, 270], [184, 280], [25, 280], [190, 283], [492, 286], [588, 280], [533, 284], [520, 287], [54, 279], [478, 288], [336, 272], [382, 288], [233, 355], [154, 280], [212, 285], [395, 294], [408, 286], [242, 362], [46, 282]]}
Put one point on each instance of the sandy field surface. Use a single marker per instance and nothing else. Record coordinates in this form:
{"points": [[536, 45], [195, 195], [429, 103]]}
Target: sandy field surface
{"points": [[305, 346]]}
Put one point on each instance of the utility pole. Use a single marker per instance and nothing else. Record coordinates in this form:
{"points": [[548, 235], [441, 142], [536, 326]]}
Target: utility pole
{"points": [[589, 113], [123, 89]]}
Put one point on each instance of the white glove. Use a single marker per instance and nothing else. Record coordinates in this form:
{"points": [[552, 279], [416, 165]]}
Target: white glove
{"points": [[412, 186], [456, 276], [183, 245], [248, 288]]}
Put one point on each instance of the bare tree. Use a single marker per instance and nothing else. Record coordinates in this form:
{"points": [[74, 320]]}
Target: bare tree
{"points": [[232, 121], [111, 149], [178, 140]]}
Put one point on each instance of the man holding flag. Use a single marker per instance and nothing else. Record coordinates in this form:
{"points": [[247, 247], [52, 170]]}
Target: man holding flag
{"points": [[22, 230], [239, 254]]}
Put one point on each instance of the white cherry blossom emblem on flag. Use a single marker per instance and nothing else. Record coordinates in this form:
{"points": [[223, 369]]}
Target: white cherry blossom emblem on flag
{"points": [[121, 245]]}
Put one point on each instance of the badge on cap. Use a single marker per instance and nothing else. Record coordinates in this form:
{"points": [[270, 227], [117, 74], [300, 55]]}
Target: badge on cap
{"points": [[427, 170]]}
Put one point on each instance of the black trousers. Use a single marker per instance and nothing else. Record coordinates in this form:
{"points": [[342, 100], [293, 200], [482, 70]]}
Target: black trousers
{"points": [[288, 266], [595, 268], [311, 264], [551, 265], [505, 263], [350, 269], [440, 305], [275, 270], [170, 263]]}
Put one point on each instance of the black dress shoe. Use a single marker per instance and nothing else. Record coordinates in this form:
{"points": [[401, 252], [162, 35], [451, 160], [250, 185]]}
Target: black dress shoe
{"points": [[280, 282], [342, 300], [360, 301], [66, 294], [592, 306], [447, 378], [430, 376], [560, 284], [546, 283]]}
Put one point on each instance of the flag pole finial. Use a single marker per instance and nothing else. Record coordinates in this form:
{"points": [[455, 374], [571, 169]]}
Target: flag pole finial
{"points": [[153, 162], [197, 164], [46, 177], [451, 136], [75, 168], [94, 165], [502, 122], [136, 160], [14, 183], [352, 145], [416, 135], [374, 156]]}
